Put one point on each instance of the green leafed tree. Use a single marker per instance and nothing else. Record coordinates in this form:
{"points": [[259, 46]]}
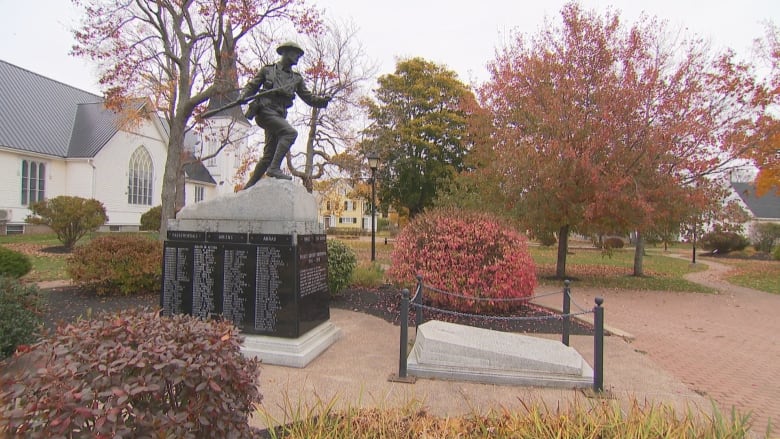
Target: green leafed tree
{"points": [[69, 217], [419, 129]]}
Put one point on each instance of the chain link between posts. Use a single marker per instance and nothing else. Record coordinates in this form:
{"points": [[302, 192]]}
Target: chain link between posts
{"points": [[500, 318], [489, 299]]}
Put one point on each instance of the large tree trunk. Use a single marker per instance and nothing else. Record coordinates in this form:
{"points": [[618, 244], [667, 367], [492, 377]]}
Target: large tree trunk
{"points": [[171, 194], [639, 254], [563, 250]]}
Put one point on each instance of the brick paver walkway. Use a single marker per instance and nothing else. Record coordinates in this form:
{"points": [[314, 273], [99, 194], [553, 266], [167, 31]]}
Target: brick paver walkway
{"points": [[724, 346]]}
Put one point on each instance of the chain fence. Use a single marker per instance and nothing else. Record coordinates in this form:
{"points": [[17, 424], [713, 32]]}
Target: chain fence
{"points": [[416, 301]]}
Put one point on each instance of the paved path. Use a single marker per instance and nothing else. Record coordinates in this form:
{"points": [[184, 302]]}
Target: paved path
{"points": [[354, 372], [723, 346]]}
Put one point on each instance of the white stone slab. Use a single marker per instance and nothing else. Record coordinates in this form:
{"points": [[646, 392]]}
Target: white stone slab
{"points": [[291, 352], [450, 351]]}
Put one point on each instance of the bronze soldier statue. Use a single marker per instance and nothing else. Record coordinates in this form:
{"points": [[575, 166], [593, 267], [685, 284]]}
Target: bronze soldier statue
{"points": [[279, 85]]}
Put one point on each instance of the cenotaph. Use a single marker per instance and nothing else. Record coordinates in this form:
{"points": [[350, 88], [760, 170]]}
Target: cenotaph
{"points": [[257, 258]]}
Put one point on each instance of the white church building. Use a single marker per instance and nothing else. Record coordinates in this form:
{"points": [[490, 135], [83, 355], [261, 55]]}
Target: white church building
{"points": [[58, 140]]}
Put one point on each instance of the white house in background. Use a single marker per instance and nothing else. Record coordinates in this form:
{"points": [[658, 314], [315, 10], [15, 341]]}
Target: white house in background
{"points": [[58, 140], [763, 209]]}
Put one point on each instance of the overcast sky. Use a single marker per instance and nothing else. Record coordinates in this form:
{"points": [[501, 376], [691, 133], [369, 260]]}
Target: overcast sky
{"points": [[462, 35]]}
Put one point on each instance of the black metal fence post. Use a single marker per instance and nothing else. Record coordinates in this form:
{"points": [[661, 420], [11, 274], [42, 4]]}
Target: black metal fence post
{"points": [[566, 312], [404, 333], [418, 300], [598, 346]]}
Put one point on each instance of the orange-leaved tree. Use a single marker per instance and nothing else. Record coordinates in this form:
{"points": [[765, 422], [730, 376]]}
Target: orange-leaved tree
{"points": [[766, 155], [601, 127]]}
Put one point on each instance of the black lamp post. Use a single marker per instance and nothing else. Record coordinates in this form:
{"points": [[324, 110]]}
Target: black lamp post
{"points": [[373, 163]]}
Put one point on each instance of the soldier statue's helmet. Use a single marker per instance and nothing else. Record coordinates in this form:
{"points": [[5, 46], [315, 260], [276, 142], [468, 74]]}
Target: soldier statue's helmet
{"points": [[289, 45]]}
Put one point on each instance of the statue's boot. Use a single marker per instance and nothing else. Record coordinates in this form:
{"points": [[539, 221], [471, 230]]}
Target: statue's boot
{"points": [[257, 174], [274, 170]]}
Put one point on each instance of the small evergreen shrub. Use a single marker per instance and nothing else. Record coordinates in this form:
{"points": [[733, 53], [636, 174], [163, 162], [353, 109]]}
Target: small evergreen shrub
{"points": [[341, 264], [764, 236], [20, 315], [13, 263], [547, 239], [151, 219], [469, 254], [127, 264], [135, 374], [69, 217], [720, 241], [613, 242]]}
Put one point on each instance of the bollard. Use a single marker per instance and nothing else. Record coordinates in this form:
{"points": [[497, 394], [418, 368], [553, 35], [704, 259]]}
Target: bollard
{"points": [[566, 312], [418, 300], [404, 333], [598, 346]]}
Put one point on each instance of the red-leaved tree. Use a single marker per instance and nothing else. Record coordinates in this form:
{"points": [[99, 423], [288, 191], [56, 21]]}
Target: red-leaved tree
{"points": [[605, 128]]}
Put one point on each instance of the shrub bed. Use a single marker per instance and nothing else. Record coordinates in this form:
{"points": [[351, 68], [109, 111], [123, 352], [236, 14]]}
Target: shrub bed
{"points": [[118, 263], [134, 375]]}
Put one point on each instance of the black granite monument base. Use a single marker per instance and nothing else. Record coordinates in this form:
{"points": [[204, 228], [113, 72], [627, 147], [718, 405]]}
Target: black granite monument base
{"points": [[275, 285]]}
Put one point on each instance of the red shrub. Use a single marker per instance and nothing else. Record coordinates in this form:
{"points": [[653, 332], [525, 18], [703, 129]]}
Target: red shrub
{"points": [[467, 254], [128, 264], [134, 374]]}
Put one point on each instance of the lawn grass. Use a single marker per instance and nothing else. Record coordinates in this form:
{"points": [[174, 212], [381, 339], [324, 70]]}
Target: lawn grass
{"points": [[362, 249], [37, 238], [47, 268], [759, 275], [590, 267], [664, 269]]}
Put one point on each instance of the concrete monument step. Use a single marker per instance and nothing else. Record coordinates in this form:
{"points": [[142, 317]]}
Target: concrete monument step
{"points": [[291, 352], [463, 353]]}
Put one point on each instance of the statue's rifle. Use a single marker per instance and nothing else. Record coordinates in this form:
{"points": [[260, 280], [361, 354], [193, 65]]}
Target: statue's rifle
{"points": [[236, 103]]}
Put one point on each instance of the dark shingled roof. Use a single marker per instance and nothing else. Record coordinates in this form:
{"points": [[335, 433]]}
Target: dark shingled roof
{"points": [[765, 206], [41, 115], [196, 171], [94, 127], [38, 114]]}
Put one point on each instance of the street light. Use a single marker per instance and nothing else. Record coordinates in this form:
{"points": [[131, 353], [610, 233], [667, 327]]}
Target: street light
{"points": [[373, 163]]}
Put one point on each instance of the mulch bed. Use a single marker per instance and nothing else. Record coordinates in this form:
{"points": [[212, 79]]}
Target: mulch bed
{"points": [[67, 304]]}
